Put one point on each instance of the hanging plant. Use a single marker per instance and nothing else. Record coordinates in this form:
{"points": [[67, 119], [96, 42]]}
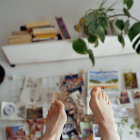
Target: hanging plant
{"points": [[94, 25]]}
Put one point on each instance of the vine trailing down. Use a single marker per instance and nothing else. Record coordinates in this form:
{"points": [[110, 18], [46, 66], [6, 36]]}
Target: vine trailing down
{"points": [[94, 24]]}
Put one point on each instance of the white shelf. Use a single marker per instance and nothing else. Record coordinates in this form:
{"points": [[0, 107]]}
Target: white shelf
{"points": [[60, 51]]}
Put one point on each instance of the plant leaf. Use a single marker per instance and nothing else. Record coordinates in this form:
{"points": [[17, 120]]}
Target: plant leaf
{"points": [[101, 33], [126, 26], [77, 28], [92, 38], [134, 31], [121, 40], [91, 56], [103, 21], [128, 3], [80, 46], [136, 42], [126, 12], [132, 126], [138, 49], [120, 24]]}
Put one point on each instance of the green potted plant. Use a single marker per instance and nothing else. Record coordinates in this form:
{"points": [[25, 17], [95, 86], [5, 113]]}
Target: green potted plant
{"points": [[94, 25]]}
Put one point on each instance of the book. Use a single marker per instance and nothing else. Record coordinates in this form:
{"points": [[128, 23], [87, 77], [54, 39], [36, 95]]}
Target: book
{"points": [[41, 31], [65, 28], [28, 36], [20, 32], [61, 25], [43, 39], [45, 36], [38, 24], [61, 31]]}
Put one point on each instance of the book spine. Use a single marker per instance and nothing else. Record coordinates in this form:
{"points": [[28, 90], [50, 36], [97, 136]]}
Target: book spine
{"points": [[61, 25], [62, 34], [65, 28]]}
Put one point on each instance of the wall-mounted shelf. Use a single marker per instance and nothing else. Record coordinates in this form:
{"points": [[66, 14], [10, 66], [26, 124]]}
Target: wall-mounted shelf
{"points": [[61, 50]]}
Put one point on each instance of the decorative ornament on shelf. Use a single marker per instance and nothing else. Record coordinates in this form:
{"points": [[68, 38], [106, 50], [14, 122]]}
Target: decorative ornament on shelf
{"points": [[94, 25]]}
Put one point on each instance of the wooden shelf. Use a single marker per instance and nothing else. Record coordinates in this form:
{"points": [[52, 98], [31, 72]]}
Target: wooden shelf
{"points": [[61, 50]]}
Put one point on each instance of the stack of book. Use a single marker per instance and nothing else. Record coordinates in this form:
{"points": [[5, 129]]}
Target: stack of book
{"points": [[42, 30], [20, 38], [34, 32], [62, 26]]}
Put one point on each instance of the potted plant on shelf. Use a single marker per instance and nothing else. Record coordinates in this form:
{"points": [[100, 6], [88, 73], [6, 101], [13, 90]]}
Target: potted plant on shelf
{"points": [[94, 26]]}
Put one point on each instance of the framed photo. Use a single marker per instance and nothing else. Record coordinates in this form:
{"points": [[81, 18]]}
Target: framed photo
{"points": [[130, 80], [125, 99], [107, 80]]}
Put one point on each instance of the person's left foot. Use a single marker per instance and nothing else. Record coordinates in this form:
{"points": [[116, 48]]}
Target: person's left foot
{"points": [[55, 121]]}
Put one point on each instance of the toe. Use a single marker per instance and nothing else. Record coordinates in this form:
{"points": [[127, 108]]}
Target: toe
{"points": [[106, 98], [102, 93], [60, 104], [99, 93], [94, 92]]}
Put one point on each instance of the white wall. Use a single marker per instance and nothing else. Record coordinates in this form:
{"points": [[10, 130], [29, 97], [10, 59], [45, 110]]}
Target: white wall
{"points": [[14, 13]]}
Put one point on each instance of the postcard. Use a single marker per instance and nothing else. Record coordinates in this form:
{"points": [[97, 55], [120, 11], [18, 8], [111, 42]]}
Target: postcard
{"points": [[15, 132], [107, 80], [69, 130], [125, 99], [33, 96], [12, 111], [86, 129], [96, 132], [72, 83], [32, 82], [136, 94], [130, 80], [34, 113]]}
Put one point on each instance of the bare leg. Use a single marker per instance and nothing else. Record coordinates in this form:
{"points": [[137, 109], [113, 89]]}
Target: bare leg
{"points": [[101, 108], [55, 121]]}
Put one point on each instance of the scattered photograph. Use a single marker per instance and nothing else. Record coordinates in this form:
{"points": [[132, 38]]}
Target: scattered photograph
{"points": [[15, 133], [126, 99], [73, 82], [107, 80], [96, 132], [34, 113], [86, 129], [33, 96], [69, 130], [130, 80], [12, 111], [136, 94], [32, 82]]}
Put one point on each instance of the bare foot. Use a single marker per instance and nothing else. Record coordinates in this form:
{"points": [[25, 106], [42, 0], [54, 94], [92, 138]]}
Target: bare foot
{"points": [[55, 121], [102, 110]]}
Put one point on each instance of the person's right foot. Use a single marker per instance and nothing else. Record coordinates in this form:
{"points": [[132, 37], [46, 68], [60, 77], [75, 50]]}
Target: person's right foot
{"points": [[102, 110]]}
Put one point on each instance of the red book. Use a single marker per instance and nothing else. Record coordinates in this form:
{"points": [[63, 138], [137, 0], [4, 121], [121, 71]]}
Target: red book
{"points": [[62, 34], [65, 28]]}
